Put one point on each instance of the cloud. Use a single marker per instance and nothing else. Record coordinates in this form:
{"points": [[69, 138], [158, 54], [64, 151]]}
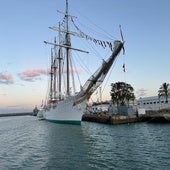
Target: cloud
{"points": [[74, 70], [3, 94], [6, 78], [32, 74], [141, 92]]}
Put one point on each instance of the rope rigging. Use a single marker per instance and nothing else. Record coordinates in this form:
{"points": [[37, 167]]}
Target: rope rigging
{"points": [[102, 43]]}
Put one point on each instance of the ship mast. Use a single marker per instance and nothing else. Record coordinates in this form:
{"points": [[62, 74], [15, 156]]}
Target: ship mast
{"points": [[51, 77], [59, 65], [68, 44], [55, 68]]}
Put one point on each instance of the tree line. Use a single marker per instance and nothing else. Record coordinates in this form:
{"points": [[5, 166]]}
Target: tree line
{"points": [[122, 93], [164, 91]]}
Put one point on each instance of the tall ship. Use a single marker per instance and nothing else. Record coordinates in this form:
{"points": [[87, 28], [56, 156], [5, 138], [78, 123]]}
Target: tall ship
{"points": [[63, 104]]}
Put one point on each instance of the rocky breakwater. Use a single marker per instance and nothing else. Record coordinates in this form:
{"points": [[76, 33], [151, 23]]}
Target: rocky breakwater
{"points": [[159, 116]]}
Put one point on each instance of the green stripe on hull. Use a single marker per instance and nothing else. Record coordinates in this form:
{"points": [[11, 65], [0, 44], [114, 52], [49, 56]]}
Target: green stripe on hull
{"points": [[73, 122]]}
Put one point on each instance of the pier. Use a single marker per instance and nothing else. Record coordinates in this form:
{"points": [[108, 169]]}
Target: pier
{"points": [[114, 119], [159, 116]]}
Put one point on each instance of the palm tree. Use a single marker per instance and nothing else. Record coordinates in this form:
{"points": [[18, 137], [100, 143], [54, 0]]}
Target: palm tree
{"points": [[122, 93], [164, 90]]}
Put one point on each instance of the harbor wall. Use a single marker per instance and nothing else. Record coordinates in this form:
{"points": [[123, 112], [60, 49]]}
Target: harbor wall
{"points": [[113, 119]]}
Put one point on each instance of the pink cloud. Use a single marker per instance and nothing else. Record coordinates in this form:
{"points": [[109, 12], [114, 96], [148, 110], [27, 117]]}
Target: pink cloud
{"points": [[74, 70], [32, 74], [6, 78]]}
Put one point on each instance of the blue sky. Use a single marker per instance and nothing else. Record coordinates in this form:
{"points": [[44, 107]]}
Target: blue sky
{"points": [[24, 27]]}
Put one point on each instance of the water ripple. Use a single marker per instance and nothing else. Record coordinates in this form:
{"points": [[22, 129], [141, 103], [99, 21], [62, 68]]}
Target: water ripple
{"points": [[27, 143]]}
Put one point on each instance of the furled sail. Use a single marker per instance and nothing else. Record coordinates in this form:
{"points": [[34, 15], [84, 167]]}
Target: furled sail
{"points": [[98, 77]]}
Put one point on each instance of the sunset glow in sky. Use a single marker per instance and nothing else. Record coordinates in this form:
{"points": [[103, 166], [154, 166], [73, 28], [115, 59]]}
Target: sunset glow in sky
{"points": [[25, 58]]}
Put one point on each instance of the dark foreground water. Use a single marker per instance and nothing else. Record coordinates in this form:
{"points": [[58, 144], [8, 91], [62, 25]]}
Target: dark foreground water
{"points": [[26, 143]]}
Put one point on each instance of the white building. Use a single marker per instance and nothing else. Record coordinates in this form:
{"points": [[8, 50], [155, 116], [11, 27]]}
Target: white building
{"points": [[153, 103]]}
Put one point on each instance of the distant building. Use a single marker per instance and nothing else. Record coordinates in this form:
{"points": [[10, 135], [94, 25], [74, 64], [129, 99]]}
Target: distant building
{"points": [[140, 106], [153, 103]]}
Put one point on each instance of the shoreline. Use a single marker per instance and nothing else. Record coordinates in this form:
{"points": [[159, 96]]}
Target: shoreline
{"points": [[151, 116], [16, 114]]}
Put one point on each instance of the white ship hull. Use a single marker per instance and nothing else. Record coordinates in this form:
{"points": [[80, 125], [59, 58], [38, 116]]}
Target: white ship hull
{"points": [[72, 108], [65, 112]]}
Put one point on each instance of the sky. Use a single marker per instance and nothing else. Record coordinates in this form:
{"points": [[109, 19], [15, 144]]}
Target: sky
{"points": [[24, 58]]}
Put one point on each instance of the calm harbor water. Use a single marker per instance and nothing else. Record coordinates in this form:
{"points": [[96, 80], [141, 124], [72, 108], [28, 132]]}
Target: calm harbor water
{"points": [[26, 143]]}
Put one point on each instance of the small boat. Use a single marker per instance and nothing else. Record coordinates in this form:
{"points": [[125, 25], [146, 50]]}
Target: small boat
{"points": [[35, 111], [40, 114], [66, 106], [41, 111]]}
